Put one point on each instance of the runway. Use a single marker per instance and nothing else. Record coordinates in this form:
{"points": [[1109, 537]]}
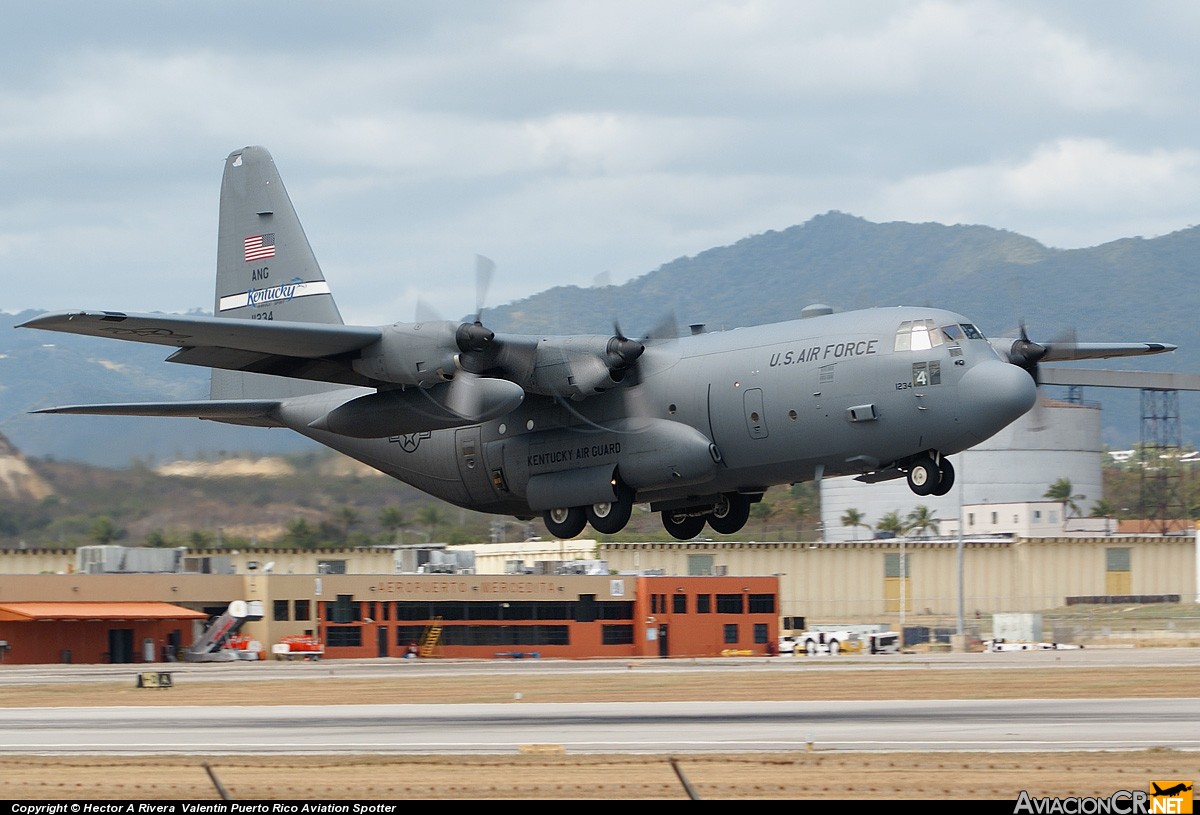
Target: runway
{"points": [[1035, 725], [673, 727]]}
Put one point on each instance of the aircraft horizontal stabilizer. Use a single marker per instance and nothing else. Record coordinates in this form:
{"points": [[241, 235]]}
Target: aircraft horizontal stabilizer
{"points": [[256, 412]]}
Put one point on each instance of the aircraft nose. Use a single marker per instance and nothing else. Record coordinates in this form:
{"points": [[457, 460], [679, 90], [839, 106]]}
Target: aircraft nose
{"points": [[995, 394]]}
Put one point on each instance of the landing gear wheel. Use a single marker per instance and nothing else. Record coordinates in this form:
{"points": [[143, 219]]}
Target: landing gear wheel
{"points": [[730, 514], [564, 522], [682, 526], [610, 518], [947, 481], [923, 475]]}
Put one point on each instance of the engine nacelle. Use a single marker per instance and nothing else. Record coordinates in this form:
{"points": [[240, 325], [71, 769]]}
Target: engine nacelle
{"points": [[665, 454], [412, 354], [575, 367]]}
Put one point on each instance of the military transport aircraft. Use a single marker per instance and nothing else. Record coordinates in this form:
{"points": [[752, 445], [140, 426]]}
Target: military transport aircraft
{"points": [[579, 428]]}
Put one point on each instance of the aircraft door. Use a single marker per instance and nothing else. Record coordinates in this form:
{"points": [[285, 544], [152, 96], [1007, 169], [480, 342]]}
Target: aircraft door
{"points": [[738, 424], [471, 466], [756, 420]]}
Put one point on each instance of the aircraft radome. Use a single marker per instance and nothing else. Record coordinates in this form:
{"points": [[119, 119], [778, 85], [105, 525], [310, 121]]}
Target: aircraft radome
{"points": [[579, 428]]}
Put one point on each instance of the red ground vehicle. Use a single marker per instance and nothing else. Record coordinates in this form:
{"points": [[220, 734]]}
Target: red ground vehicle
{"points": [[298, 646]]}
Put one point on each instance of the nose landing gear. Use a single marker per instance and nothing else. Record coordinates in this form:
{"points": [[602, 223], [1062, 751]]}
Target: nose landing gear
{"points": [[930, 474]]}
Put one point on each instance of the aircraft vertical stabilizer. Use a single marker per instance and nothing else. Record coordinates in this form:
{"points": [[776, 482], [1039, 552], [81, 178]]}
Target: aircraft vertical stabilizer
{"points": [[266, 269]]}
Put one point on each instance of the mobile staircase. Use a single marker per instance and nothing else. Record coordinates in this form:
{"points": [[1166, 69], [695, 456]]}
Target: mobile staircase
{"points": [[212, 644]]}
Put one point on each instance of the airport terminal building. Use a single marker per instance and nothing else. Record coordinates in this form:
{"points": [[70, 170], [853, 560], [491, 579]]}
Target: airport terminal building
{"points": [[132, 618]]}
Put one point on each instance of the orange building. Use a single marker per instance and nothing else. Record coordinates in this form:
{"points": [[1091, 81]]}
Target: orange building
{"points": [[514, 616], [65, 631], [133, 618]]}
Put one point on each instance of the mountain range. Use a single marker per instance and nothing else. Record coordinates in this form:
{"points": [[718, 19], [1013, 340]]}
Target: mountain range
{"points": [[1130, 289]]}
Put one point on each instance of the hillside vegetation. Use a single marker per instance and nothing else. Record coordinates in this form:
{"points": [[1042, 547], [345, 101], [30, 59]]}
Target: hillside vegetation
{"points": [[321, 499]]}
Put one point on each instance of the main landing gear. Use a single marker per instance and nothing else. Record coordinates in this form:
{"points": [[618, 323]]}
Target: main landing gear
{"points": [[930, 474], [726, 515], [607, 518]]}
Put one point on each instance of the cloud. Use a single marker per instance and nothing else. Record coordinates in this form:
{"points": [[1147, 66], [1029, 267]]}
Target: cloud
{"points": [[567, 138], [1068, 193]]}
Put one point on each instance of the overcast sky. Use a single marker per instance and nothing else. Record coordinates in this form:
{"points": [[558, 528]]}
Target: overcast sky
{"points": [[569, 140]]}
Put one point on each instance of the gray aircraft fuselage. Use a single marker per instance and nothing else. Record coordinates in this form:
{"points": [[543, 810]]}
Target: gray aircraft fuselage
{"points": [[782, 403]]}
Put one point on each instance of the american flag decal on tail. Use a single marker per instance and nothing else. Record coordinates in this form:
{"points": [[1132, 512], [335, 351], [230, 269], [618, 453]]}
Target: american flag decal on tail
{"points": [[258, 247]]}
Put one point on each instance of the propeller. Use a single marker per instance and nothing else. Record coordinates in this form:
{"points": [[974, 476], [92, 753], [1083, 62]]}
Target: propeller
{"points": [[485, 268], [467, 396], [622, 353], [635, 401], [1028, 355], [472, 336]]}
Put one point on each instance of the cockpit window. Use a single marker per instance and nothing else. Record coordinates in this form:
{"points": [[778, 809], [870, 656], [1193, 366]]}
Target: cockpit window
{"points": [[954, 333], [918, 335]]}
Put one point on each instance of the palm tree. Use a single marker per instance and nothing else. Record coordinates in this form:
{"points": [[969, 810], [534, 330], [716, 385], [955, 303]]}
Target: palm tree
{"points": [[763, 510], [392, 519], [430, 516], [104, 531], [1061, 491], [1103, 509], [852, 517], [348, 516], [922, 518], [301, 535], [890, 523]]}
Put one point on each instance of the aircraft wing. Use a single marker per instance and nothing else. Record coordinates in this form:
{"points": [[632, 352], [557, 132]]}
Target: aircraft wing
{"points": [[307, 340], [255, 412], [282, 348], [1103, 350]]}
